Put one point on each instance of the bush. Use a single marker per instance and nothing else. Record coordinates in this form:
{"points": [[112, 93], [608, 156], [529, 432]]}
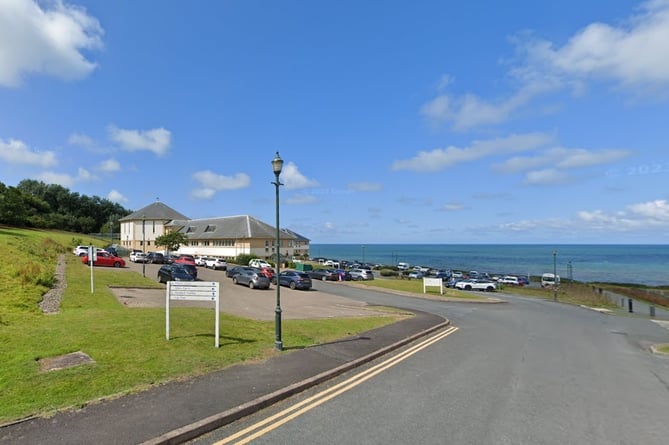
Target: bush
{"points": [[389, 273], [244, 259]]}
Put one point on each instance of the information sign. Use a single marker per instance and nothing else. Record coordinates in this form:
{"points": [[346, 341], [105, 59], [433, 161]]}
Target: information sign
{"points": [[192, 291]]}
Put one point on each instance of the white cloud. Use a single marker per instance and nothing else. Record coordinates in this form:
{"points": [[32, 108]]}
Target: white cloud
{"points": [[441, 158], [17, 152], [63, 179], [634, 55], [365, 186], [81, 140], [210, 183], [109, 165], [302, 199], [548, 176], [45, 40], [293, 180], [157, 140], [453, 207], [645, 215], [116, 196]]}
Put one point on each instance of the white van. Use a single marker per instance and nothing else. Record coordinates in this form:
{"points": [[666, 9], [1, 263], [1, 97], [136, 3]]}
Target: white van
{"points": [[550, 280], [403, 266]]}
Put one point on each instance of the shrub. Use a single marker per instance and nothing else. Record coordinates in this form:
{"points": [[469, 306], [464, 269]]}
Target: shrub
{"points": [[389, 273], [244, 259]]}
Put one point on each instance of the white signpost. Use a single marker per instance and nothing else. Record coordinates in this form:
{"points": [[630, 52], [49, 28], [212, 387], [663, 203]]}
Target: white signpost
{"points": [[92, 258], [193, 291], [433, 282]]}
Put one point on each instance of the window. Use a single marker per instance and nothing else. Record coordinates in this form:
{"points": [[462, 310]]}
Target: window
{"points": [[210, 229]]}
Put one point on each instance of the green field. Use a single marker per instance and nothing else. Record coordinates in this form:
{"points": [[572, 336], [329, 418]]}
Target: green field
{"points": [[128, 346]]}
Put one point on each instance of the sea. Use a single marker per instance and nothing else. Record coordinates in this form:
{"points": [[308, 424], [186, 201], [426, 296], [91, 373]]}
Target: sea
{"points": [[605, 263]]}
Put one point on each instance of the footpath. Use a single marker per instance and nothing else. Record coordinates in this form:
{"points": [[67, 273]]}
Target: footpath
{"points": [[178, 411]]}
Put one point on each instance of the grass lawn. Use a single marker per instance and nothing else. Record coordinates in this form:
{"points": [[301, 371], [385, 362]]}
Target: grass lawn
{"points": [[128, 346]]}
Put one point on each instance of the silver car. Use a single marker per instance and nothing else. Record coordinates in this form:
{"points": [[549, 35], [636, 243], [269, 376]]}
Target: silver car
{"points": [[253, 278], [361, 274]]}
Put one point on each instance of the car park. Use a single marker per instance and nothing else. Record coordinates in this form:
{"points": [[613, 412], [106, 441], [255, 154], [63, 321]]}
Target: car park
{"points": [[173, 272], [216, 264], [415, 274], [295, 279], [323, 275], [483, 285], [105, 259], [251, 277], [361, 274]]}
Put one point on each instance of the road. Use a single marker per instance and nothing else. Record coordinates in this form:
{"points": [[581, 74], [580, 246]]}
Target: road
{"points": [[526, 372]]}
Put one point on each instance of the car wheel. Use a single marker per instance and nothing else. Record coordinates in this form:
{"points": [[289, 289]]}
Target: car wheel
{"points": [[292, 285], [234, 280], [117, 264], [251, 286], [325, 278], [468, 288]]}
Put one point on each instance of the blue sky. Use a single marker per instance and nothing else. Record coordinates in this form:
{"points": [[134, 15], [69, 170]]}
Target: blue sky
{"points": [[398, 121]]}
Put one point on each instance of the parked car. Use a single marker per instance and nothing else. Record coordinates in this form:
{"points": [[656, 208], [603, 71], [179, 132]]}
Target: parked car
{"points": [[295, 279], [510, 280], [268, 272], [415, 274], [231, 271], [173, 272], [444, 275], [251, 277], [257, 262], [105, 259], [190, 268], [155, 258], [138, 257], [343, 275], [361, 274], [484, 285], [170, 258], [323, 275], [185, 259], [83, 250], [200, 260], [216, 264]]}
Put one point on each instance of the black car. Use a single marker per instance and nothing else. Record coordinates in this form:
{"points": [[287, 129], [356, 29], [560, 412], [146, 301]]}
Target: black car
{"points": [[232, 271], [173, 272], [155, 258], [294, 279], [323, 274]]}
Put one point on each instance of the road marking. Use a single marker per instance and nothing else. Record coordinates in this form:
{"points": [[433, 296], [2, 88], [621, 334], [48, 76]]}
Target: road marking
{"points": [[259, 429]]}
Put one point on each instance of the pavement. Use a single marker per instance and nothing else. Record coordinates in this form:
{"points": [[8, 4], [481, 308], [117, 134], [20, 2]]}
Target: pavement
{"points": [[181, 410]]}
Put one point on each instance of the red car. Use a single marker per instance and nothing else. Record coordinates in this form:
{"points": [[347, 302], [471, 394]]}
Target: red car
{"points": [[105, 259], [185, 259]]}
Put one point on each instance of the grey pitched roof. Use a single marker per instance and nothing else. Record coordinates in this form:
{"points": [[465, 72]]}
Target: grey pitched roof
{"points": [[295, 235], [230, 227], [156, 210]]}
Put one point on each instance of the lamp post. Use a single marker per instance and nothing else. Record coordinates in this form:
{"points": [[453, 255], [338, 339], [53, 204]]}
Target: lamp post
{"points": [[555, 275], [277, 165], [144, 245]]}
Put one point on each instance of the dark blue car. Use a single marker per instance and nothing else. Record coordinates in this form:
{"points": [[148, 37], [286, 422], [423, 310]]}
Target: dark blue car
{"points": [[295, 279]]}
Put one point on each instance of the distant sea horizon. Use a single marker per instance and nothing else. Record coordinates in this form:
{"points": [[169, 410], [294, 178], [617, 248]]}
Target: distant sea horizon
{"points": [[646, 264]]}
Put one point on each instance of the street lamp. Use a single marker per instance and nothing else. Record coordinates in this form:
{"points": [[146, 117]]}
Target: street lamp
{"points": [[555, 275], [144, 245], [277, 165]]}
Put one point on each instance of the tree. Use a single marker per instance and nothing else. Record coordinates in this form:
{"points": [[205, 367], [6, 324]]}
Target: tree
{"points": [[172, 240]]}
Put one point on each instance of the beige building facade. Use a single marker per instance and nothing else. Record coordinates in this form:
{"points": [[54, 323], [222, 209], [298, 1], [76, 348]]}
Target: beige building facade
{"points": [[224, 237]]}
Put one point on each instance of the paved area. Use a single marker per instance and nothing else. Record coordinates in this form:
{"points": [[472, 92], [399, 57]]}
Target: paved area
{"points": [[175, 412]]}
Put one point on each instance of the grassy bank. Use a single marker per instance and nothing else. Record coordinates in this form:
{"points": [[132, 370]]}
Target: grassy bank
{"points": [[128, 346]]}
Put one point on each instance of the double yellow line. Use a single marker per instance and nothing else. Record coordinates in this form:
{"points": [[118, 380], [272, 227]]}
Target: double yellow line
{"points": [[266, 425]]}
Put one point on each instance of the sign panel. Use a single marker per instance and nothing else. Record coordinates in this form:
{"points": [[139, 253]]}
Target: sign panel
{"points": [[437, 282], [193, 291]]}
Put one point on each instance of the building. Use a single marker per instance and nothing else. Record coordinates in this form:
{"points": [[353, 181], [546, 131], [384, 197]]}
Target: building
{"points": [[225, 237]]}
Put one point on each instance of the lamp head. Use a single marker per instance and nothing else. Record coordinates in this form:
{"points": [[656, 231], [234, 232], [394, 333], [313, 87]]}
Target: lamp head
{"points": [[277, 164]]}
